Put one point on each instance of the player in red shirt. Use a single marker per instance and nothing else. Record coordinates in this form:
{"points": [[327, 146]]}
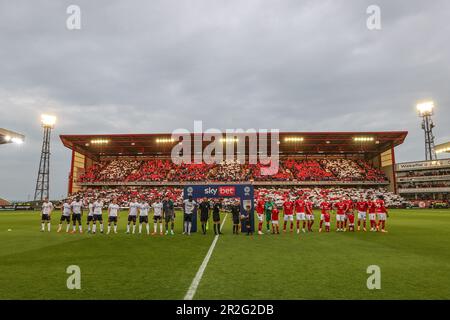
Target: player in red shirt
{"points": [[341, 209], [371, 207], [349, 210], [260, 213], [381, 211], [288, 212], [309, 213], [361, 206], [299, 206], [327, 219], [274, 219], [351, 220], [326, 207]]}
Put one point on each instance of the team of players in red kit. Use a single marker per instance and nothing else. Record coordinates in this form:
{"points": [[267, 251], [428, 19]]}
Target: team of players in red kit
{"points": [[344, 209]]}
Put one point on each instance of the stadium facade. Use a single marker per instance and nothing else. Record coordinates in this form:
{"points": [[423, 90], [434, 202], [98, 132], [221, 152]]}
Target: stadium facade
{"points": [[374, 148], [424, 180]]}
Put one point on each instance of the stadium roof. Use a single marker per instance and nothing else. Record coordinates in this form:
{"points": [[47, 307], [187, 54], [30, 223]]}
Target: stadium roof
{"points": [[8, 136], [290, 143]]}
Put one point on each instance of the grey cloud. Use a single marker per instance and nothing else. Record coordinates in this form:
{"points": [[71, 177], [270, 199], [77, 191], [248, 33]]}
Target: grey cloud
{"points": [[153, 66]]}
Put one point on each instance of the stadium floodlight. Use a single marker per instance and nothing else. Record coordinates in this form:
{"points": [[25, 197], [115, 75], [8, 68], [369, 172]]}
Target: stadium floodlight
{"points": [[17, 140], [363, 139], [447, 149], [425, 108], [42, 190], [48, 121], [99, 141], [164, 140], [226, 140], [293, 139]]}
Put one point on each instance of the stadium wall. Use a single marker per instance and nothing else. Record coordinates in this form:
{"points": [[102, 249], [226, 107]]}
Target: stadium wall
{"points": [[77, 168], [387, 165]]}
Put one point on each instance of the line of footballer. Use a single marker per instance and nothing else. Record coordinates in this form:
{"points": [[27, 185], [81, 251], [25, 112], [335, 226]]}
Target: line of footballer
{"points": [[266, 209]]}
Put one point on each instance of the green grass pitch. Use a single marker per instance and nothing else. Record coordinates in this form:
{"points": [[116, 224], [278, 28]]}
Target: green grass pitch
{"points": [[414, 258]]}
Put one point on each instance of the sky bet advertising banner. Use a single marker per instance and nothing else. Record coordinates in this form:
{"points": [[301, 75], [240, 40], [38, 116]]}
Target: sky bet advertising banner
{"points": [[243, 192]]}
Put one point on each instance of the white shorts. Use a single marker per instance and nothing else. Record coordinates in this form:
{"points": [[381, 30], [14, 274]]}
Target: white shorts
{"points": [[310, 217], [301, 216], [327, 224], [340, 217], [372, 216], [260, 217], [361, 215], [275, 222], [382, 216], [288, 217], [322, 216]]}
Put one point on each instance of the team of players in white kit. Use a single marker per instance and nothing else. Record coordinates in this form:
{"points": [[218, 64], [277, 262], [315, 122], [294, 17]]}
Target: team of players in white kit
{"points": [[73, 211]]}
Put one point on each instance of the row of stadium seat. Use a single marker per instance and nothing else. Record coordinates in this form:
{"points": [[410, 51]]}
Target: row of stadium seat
{"points": [[124, 195], [228, 171]]}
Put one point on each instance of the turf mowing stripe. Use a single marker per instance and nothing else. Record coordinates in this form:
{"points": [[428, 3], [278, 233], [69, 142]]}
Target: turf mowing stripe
{"points": [[198, 277]]}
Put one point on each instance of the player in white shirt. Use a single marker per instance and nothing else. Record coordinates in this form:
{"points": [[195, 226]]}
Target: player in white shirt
{"points": [[188, 208], [157, 217], [143, 216], [47, 208], [98, 211], [65, 216], [90, 216], [77, 211], [113, 211], [132, 214]]}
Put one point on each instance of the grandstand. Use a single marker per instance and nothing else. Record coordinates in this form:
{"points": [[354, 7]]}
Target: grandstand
{"points": [[127, 165], [424, 180]]}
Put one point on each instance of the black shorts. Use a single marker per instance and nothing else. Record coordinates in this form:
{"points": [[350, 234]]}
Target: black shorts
{"points": [[216, 217], [112, 219], [76, 217], [90, 218], [188, 217], [64, 218], [143, 219], [169, 217], [98, 217], [157, 218], [45, 217], [131, 218], [204, 217], [236, 220]]}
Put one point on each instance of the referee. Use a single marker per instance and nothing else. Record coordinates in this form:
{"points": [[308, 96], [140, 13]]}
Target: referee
{"points": [[204, 213]]}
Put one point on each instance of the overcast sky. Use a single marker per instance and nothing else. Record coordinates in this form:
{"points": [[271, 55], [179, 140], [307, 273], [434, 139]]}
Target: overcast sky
{"points": [[153, 66]]}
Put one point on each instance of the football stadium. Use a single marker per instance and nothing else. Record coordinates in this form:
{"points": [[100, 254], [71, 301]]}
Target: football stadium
{"points": [[301, 256], [224, 158]]}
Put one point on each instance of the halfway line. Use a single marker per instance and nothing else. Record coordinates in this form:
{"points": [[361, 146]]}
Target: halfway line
{"points": [[198, 277]]}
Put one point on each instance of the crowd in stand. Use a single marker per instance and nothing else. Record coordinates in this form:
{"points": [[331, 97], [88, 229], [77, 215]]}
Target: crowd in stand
{"points": [[231, 170], [279, 195], [116, 170], [316, 195], [125, 195], [344, 169]]}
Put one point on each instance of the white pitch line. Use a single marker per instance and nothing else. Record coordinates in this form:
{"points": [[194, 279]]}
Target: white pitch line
{"points": [[198, 277]]}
